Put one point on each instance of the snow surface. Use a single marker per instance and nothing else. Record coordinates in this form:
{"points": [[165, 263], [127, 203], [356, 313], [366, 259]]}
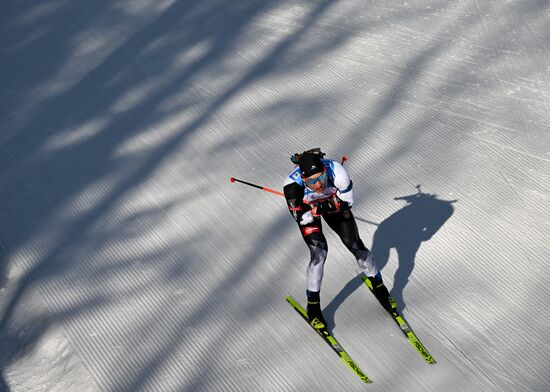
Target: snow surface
{"points": [[129, 262]]}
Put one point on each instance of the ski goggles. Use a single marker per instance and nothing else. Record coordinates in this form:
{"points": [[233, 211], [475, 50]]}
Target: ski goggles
{"points": [[313, 181]]}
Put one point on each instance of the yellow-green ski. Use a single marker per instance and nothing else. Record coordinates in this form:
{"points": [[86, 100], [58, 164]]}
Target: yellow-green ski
{"points": [[415, 342], [331, 341]]}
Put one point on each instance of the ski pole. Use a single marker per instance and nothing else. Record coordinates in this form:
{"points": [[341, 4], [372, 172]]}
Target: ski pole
{"points": [[263, 188], [233, 179]]}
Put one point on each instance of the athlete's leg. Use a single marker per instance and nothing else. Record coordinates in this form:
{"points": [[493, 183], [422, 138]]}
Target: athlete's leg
{"points": [[317, 243], [318, 248], [346, 228]]}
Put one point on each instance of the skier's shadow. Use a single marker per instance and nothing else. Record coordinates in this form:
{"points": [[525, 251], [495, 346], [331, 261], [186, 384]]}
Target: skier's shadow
{"points": [[404, 230]]}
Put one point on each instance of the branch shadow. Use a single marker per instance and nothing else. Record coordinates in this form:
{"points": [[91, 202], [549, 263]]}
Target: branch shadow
{"points": [[99, 149], [60, 177]]}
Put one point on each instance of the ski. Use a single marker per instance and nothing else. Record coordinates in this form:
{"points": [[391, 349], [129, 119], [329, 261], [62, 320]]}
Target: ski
{"points": [[331, 341], [415, 342]]}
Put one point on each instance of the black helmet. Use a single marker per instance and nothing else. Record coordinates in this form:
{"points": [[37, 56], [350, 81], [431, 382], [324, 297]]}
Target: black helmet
{"points": [[309, 162]]}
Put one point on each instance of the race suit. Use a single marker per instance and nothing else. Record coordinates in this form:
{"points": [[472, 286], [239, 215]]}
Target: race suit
{"points": [[333, 204]]}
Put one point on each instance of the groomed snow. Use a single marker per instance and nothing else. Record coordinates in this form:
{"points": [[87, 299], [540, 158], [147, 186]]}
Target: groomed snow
{"points": [[129, 262]]}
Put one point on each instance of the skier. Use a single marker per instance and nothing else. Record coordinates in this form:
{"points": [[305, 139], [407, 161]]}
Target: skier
{"points": [[321, 187]]}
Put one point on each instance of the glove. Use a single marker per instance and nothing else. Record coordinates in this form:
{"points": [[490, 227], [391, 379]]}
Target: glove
{"points": [[307, 218], [327, 206]]}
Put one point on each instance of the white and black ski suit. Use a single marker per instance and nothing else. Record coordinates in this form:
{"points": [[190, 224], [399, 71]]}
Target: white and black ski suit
{"points": [[333, 205]]}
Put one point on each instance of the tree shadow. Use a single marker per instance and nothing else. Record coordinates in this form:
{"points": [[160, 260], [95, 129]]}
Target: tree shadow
{"points": [[406, 230], [3, 267], [3, 385], [3, 279], [150, 53], [153, 51]]}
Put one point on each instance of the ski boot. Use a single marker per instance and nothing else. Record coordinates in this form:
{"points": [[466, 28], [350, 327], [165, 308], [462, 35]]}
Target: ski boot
{"points": [[314, 314], [381, 292]]}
